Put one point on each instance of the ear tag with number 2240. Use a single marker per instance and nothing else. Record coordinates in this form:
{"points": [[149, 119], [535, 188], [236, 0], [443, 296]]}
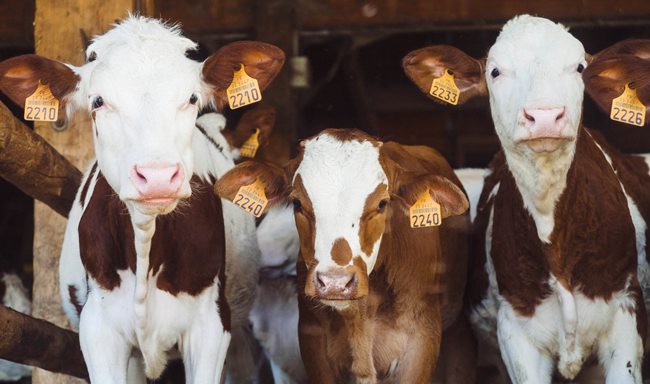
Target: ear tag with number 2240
{"points": [[627, 108], [425, 212], [445, 89], [42, 105], [249, 148], [251, 198], [243, 90]]}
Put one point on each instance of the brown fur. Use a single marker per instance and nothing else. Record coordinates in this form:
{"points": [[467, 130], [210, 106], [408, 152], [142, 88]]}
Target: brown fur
{"points": [[72, 290], [19, 77], [592, 223], [424, 65], [84, 190], [415, 289], [341, 252], [189, 243], [261, 62]]}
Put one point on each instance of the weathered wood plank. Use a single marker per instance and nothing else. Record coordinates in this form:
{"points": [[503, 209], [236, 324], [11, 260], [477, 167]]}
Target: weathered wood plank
{"points": [[56, 34], [31, 164], [39, 343]]}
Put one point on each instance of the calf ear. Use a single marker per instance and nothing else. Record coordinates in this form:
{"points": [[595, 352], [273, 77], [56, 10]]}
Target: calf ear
{"points": [[272, 176], [261, 61], [605, 79], [637, 47], [262, 118], [426, 64], [410, 185], [19, 78]]}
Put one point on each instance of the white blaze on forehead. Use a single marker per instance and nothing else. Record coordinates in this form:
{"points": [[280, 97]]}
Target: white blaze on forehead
{"points": [[338, 177]]}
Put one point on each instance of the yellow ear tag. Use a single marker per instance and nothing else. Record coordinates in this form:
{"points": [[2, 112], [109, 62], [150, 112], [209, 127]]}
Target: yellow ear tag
{"points": [[445, 89], [628, 109], [42, 105], [249, 148], [251, 198], [243, 90], [425, 212]]}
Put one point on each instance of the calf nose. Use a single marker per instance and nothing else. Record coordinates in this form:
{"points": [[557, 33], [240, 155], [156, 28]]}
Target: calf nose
{"points": [[336, 285], [157, 181], [545, 123]]}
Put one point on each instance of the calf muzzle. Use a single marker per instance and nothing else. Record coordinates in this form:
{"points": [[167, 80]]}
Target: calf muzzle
{"points": [[338, 284]]}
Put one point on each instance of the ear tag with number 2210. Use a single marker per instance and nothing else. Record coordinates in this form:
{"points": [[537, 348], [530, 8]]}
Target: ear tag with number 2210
{"points": [[249, 148], [627, 108], [251, 198], [445, 89], [425, 212], [243, 90], [42, 105]]}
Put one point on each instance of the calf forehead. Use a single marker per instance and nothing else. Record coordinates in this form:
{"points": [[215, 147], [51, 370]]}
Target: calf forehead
{"points": [[526, 39], [338, 175]]}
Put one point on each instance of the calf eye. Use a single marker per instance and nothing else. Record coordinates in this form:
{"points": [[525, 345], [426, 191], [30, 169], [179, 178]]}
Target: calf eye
{"points": [[581, 68], [495, 73], [382, 205], [193, 99], [297, 205], [98, 102]]}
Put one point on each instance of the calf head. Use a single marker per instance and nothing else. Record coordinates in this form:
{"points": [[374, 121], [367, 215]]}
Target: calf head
{"points": [[344, 190], [144, 96], [533, 75]]}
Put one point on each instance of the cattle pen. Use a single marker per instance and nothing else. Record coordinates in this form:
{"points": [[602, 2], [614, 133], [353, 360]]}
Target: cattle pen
{"points": [[341, 67]]}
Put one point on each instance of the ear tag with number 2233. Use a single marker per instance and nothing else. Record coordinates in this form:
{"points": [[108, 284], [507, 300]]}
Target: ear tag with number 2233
{"points": [[249, 148], [243, 90], [425, 212], [445, 89], [627, 108], [251, 198], [42, 105]]}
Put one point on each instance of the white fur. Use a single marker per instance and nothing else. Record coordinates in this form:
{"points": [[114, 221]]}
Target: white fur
{"points": [[278, 240], [17, 299], [472, 179], [338, 177], [537, 61]]}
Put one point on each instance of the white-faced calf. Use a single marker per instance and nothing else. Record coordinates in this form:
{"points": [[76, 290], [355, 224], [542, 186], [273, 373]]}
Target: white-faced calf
{"points": [[374, 294], [562, 218], [132, 278]]}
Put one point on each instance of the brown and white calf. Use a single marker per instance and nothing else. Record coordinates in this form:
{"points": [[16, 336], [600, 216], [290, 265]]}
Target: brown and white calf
{"points": [[374, 294], [133, 277], [560, 255]]}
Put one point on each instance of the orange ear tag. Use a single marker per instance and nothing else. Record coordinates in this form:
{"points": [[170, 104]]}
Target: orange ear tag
{"points": [[42, 105], [445, 89], [243, 90], [251, 198], [249, 148], [425, 212], [627, 108]]}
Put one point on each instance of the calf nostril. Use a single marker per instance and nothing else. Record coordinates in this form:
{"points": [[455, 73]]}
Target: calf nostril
{"points": [[529, 117], [320, 282], [140, 176], [560, 116], [352, 282]]}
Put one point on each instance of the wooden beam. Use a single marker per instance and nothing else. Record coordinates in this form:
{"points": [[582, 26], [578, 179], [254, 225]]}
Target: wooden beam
{"points": [[57, 37], [35, 342], [34, 166]]}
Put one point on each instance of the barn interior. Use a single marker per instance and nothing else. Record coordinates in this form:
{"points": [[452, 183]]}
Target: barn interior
{"points": [[343, 70]]}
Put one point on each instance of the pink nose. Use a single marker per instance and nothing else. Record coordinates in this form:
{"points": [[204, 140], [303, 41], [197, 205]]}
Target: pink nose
{"points": [[545, 123], [336, 285], [157, 181]]}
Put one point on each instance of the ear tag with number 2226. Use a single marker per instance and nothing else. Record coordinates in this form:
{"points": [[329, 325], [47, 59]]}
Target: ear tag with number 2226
{"points": [[42, 105], [251, 198], [243, 90], [627, 108], [249, 148], [445, 89], [425, 212]]}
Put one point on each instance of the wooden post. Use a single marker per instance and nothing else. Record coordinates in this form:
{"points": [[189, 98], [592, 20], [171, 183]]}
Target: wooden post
{"points": [[275, 24], [57, 37]]}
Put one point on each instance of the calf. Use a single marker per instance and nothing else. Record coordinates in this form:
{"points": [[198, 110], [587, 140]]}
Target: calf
{"points": [[562, 218], [374, 294], [134, 279]]}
